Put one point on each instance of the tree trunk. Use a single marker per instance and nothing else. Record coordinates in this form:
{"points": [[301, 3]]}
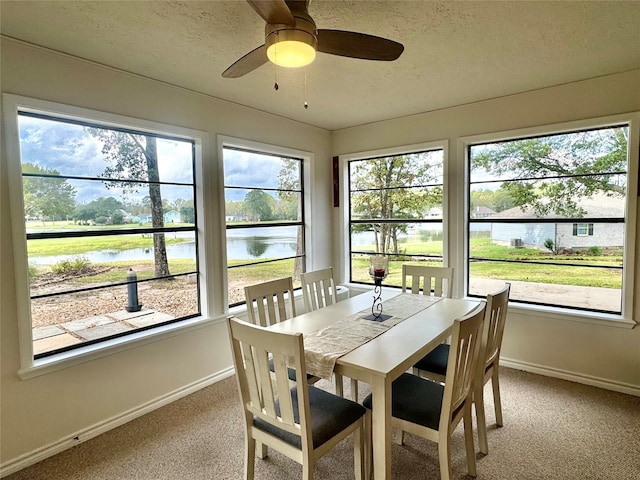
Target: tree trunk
{"points": [[157, 218]]}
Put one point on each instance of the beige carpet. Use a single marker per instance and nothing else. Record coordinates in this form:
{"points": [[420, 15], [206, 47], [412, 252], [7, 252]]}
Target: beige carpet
{"points": [[553, 430]]}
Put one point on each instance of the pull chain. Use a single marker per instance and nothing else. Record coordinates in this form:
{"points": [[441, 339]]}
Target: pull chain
{"points": [[275, 65], [306, 104]]}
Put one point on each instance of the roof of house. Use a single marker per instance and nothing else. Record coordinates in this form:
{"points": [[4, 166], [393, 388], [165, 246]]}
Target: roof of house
{"points": [[597, 206]]}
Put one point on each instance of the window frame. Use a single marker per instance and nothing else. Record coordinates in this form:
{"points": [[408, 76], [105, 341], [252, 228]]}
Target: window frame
{"points": [[627, 317], [30, 366], [306, 158], [345, 205], [583, 229]]}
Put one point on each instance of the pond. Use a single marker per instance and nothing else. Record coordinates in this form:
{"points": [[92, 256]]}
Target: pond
{"points": [[283, 244], [271, 243]]}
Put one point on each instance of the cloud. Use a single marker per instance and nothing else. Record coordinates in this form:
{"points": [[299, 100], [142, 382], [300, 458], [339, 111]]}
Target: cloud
{"points": [[60, 146], [249, 169], [72, 151]]}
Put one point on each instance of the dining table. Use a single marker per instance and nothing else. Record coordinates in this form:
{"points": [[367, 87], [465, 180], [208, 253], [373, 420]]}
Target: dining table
{"points": [[379, 360]]}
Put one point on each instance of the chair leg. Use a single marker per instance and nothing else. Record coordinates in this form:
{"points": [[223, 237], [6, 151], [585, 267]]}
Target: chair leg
{"points": [[468, 440], [339, 385], [368, 447], [478, 399], [307, 470], [249, 458], [262, 450], [397, 436], [354, 390], [495, 384], [443, 454], [359, 448]]}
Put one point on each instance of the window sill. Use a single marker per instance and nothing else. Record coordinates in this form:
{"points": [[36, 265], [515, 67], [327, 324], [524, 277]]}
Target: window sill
{"points": [[556, 313], [604, 319], [60, 361]]}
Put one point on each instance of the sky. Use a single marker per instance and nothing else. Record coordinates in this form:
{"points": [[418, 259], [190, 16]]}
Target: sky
{"points": [[71, 150], [249, 169]]}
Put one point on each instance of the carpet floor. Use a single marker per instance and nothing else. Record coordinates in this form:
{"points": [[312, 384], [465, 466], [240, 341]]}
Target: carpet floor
{"points": [[553, 429]]}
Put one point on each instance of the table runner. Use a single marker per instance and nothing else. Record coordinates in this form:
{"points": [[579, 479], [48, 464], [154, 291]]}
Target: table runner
{"points": [[323, 347]]}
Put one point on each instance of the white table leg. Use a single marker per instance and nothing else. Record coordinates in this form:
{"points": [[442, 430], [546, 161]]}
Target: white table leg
{"points": [[381, 428]]}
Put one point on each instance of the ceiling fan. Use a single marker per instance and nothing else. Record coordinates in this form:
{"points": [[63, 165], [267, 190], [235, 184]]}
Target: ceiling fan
{"points": [[292, 39]]}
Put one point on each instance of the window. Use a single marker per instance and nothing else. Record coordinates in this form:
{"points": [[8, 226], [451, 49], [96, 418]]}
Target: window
{"points": [[109, 216], [582, 229], [396, 209], [264, 213], [548, 213]]}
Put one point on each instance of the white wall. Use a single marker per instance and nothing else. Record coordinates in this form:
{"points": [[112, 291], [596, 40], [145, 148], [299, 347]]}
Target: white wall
{"points": [[590, 353], [40, 415]]}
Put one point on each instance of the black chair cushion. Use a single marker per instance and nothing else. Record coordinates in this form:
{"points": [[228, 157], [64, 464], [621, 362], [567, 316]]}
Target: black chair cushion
{"points": [[435, 361], [329, 414], [415, 400], [291, 373]]}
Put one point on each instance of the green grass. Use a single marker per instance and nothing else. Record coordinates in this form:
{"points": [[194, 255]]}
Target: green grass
{"points": [[484, 248], [550, 274], [480, 248], [78, 246], [144, 270], [526, 272]]}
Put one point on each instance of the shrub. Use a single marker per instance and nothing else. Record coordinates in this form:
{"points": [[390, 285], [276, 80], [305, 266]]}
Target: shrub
{"points": [[549, 244], [595, 251], [73, 266]]}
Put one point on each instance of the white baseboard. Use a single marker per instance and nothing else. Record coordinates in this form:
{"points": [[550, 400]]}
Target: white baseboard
{"points": [[39, 454], [572, 376]]}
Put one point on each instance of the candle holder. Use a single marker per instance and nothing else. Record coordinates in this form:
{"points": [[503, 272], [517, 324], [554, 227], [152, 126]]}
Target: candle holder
{"points": [[378, 270]]}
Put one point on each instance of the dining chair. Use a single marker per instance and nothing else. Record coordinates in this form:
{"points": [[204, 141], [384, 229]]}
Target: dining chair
{"points": [[300, 421], [319, 291], [318, 288], [432, 410], [434, 365], [270, 302], [429, 280]]}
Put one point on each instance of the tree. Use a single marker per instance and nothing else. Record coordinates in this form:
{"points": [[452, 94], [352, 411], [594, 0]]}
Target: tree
{"points": [[497, 200], [187, 213], [107, 207], [587, 162], [288, 185], [46, 196], [258, 204], [379, 193], [135, 157]]}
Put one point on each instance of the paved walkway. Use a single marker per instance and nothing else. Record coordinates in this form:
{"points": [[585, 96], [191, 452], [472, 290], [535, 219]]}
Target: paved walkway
{"points": [[594, 298], [53, 337]]}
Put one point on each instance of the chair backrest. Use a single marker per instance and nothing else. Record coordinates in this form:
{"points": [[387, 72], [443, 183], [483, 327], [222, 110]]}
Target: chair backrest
{"points": [[494, 321], [462, 362], [438, 280], [270, 302], [318, 289], [268, 394]]}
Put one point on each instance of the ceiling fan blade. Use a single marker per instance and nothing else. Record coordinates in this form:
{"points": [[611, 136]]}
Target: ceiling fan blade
{"points": [[252, 60], [273, 11], [358, 45]]}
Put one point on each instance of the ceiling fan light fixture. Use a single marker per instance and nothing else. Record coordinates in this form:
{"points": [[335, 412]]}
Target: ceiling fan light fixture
{"points": [[291, 48]]}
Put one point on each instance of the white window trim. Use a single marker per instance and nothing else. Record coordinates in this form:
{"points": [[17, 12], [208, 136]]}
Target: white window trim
{"points": [[628, 318], [343, 164], [29, 367], [307, 161]]}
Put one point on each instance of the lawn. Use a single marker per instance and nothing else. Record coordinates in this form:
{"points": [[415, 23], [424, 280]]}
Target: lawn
{"points": [[498, 262]]}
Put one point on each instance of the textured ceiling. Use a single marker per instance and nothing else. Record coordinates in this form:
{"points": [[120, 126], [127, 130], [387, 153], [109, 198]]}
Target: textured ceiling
{"points": [[455, 52]]}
